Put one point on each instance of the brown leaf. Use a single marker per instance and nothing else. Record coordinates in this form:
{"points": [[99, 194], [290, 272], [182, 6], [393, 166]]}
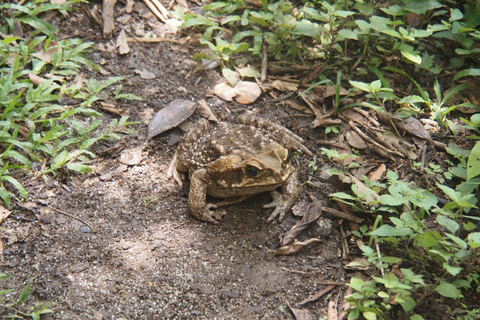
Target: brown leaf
{"points": [[46, 56], [112, 109], [224, 91], [205, 110], [414, 127], [316, 295], [36, 80], [377, 174], [247, 92], [323, 122], [95, 16], [302, 314], [358, 264], [294, 247], [170, 116], [145, 74], [282, 85], [122, 43], [314, 211], [4, 213], [244, 92], [355, 140]]}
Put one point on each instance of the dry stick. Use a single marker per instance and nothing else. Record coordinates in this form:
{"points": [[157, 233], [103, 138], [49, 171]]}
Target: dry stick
{"points": [[155, 11], [379, 255], [152, 40], [370, 140], [343, 215], [263, 75], [161, 8], [71, 216]]}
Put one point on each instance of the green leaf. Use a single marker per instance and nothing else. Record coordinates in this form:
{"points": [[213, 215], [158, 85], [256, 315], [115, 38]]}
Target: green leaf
{"points": [[467, 72], [25, 292], [426, 240], [17, 185], [361, 85], [391, 200], [448, 223], [4, 276], [454, 271], [409, 53], [79, 167], [230, 75], [5, 195], [369, 315], [389, 231], [248, 72], [448, 290], [473, 162], [474, 239], [422, 6], [462, 244]]}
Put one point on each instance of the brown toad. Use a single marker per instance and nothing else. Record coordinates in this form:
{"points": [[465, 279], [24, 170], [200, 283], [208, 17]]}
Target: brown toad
{"points": [[234, 161]]}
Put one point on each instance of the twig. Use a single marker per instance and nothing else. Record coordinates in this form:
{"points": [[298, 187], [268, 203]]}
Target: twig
{"points": [[69, 215], [263, 75], [152, 40], [343, 215], [155, 11], [379, 255]]}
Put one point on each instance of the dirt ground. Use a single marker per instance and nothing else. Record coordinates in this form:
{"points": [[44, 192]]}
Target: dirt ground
{"points": [[146, 257]]}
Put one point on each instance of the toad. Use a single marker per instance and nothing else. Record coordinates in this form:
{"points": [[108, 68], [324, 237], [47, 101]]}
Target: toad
{"points": [[234, 161]]}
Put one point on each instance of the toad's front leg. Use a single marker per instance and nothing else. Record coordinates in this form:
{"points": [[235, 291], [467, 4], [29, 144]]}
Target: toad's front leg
{"points": [[282, 202], [197, 197]]}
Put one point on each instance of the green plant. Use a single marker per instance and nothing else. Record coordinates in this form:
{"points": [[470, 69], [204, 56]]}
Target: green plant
{"points": [[447, 252], [36, 125], [13, 307]]}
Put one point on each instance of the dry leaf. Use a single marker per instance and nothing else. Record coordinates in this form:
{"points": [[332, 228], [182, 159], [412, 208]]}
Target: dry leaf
{"points": [[316, 295], [132, 156], [95, 16], [355, 140], [281, 85], [313, 212], [294, 247], [112, 109], [377, 174], [323, 122], [224, 91], [205, 110], [36, 80], [4, 213], [46, 56], [358, 264], [122, 43], [302, 314], [205, 64], [300, 208], [170, 116], [244, 92], [147, 75], [247, 92]]}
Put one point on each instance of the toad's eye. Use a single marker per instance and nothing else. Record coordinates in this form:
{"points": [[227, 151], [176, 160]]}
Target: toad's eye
{"points": [[252, 171]]}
